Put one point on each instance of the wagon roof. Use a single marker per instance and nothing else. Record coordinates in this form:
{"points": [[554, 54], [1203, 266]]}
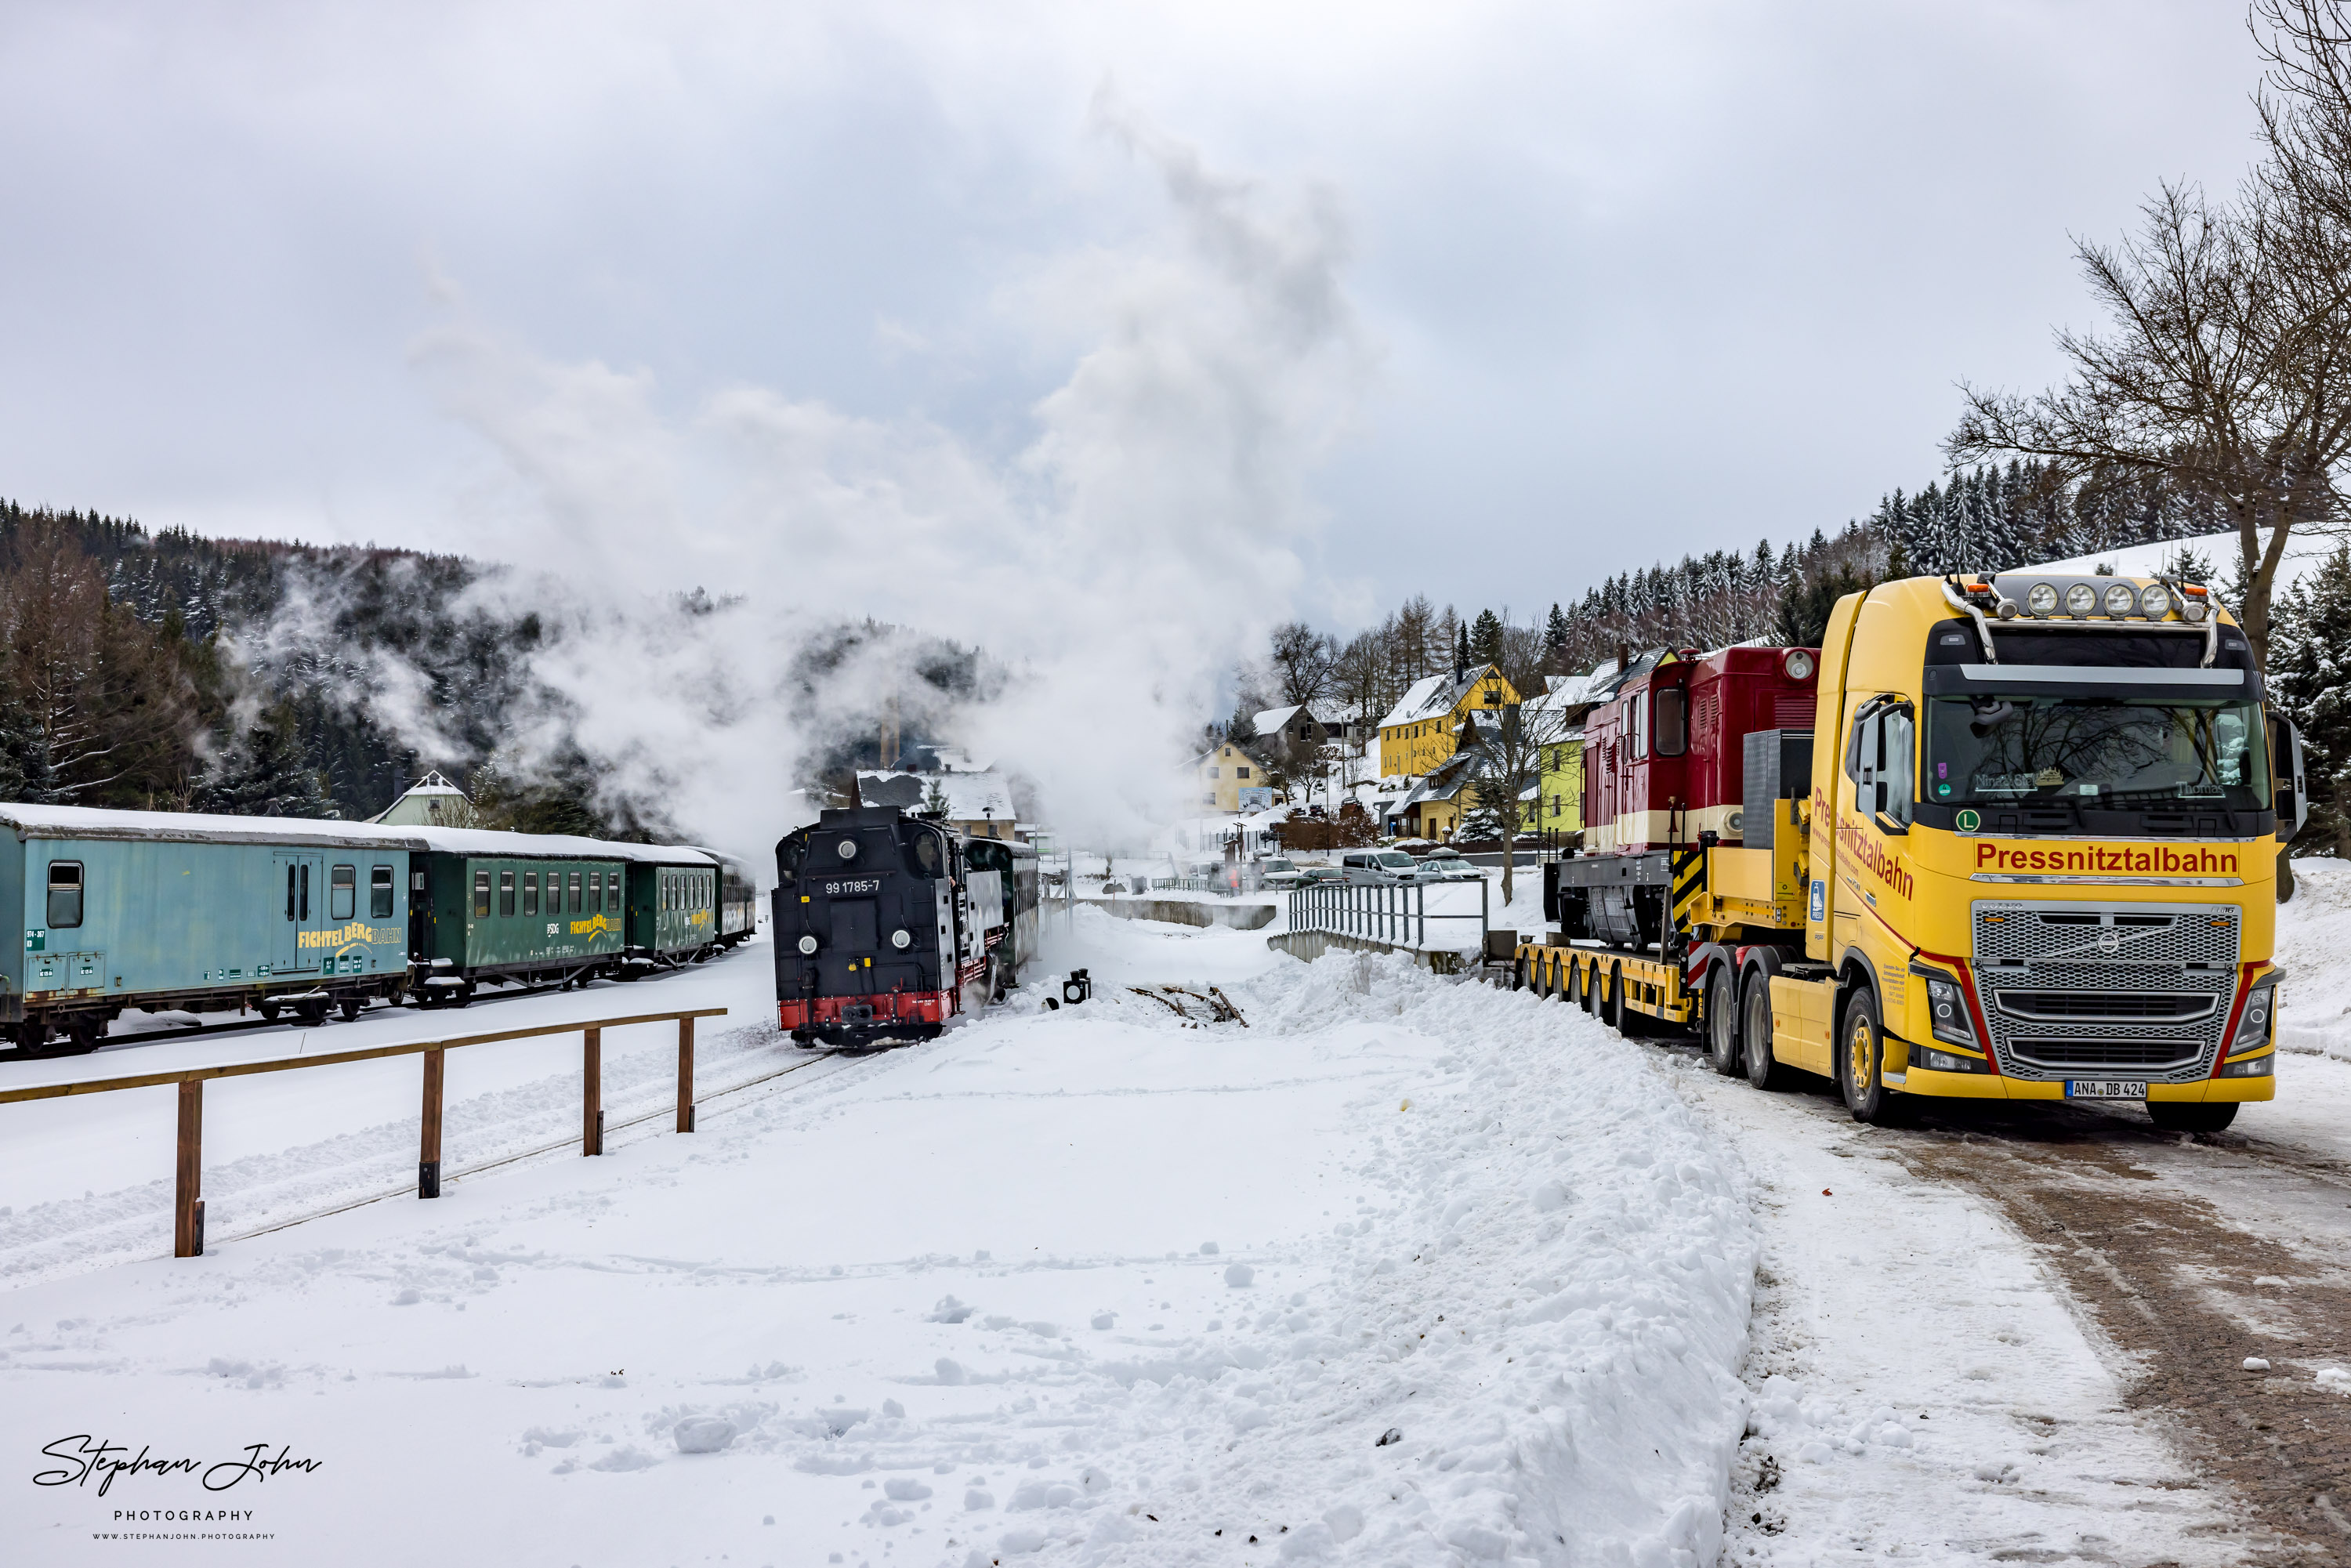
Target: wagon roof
{"points": [[565, 846], [196, 827]]}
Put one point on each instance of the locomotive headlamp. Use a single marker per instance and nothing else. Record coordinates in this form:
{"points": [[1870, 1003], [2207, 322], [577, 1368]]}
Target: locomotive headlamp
{"points": [[901, 939], [2194, 611], [848, 849], [808, 944], [2081, 599], [1798, 664], [2120, 598], [2042, 598], [2155, 600]]}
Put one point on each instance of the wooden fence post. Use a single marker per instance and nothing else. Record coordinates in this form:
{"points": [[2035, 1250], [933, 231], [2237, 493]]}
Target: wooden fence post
{"points": [[428, 1152], [187, 1208], [685, 1075], [592, 1126]]}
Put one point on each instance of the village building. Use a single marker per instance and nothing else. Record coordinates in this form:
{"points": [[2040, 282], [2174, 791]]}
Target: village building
{"points": [[979, 804], [1218, 777], [1424, 729]]}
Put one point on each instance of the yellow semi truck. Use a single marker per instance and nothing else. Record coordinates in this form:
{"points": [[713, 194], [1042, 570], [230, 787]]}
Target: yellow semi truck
{"points": [[2026, 849]]}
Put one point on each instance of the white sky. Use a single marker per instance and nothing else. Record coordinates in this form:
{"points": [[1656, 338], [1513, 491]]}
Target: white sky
{"points": [[1631, 278]]}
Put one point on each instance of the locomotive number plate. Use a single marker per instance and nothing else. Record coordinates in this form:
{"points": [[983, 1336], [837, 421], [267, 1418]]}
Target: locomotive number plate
{"points": [[2104, 1089], [854, 884]]}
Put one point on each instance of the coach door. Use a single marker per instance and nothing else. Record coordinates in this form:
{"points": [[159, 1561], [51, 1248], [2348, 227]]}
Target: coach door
{"points": [[301, 900]]}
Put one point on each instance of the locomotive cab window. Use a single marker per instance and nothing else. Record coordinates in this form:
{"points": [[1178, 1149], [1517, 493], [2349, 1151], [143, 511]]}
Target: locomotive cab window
{"points": [[530, 893], [380, 893], [343, 893], [1670, 723], [65, 892], [481, 892], [506, 893]]}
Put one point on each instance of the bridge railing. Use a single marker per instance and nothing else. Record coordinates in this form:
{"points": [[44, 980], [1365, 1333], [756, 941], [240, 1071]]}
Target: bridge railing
{"points": [[1425, 917]]}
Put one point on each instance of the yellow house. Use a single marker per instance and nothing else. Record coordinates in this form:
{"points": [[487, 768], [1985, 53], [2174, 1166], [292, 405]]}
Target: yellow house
{"points": [[1422, 730], [1220, 775], [1560, 806]]}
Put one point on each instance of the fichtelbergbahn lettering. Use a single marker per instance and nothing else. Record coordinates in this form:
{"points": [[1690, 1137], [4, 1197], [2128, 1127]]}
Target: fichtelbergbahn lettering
{"points": [[2004, 837], [887, 925]]}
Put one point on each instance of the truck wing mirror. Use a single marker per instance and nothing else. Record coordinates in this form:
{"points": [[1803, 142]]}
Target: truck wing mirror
{"points": [[2292, 793]]}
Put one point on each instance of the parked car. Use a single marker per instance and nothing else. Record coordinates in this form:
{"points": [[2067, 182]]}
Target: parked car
{"points": [[1449, 865], [1280, 873], [1377, 867], [1310, 876]]}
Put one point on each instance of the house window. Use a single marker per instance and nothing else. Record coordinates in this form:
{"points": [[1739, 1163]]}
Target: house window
{"points": [[506, 893], [1212, 770], [1241, 772], [343, 893], [65, 892], [380, 893]]}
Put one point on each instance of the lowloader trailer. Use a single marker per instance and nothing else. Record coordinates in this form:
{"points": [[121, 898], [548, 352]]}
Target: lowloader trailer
{"points": [[2024, 848]]}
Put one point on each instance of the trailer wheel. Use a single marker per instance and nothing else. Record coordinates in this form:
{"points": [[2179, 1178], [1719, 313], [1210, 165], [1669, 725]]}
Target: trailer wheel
{"points": [[1587, 982], [1628, 1022], [2175, 1116], [1722, 1021], [1763, 1070], [1860, 1062]]}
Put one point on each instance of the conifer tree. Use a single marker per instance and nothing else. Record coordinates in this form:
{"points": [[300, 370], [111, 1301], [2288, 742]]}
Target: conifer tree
{"points": [[2309, 677]]}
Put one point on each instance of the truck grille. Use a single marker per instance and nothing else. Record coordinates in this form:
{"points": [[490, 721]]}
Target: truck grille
{"points": [[2143, 989]]}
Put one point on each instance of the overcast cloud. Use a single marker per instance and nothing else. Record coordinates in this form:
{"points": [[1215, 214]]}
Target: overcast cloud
{"points": [[1625, 279]]}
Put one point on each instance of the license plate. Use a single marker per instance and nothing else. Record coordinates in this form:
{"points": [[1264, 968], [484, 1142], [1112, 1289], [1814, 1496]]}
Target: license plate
{"points": [[2104, 1089]]}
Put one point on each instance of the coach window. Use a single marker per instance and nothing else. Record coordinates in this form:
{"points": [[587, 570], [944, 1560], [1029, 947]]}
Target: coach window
{"points": [[506, 893], [575, 905], [595, 893], [481, 892], [343, 893], [1671, 708], [530, 893], [65, 892], [380, 893]]}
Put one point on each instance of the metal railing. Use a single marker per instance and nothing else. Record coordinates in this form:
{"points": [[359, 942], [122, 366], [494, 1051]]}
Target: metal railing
{"points": [[1393, 912], [187, 1203]]}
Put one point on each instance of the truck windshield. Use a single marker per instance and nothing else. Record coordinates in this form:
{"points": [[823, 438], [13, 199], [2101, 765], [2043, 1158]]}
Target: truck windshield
{"points": [[2099, 751]]}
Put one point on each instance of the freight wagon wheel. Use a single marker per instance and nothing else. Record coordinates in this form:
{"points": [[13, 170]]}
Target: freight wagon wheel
{"points": [[350, 1007], [84, 1035], [2177, 1117], [1722, 1021], [268, 1010], [1861, 1061], [312, 1013], [1762, 1070]]}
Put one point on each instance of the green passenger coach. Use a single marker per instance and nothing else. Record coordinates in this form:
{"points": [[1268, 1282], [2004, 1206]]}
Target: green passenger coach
{"points": [[100, 911], [539, 909]]}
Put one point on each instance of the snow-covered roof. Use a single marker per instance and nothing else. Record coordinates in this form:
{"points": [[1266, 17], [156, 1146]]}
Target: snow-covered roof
{"points": [[560, 846], [970, 797], [1273, 720], [197, 827]]}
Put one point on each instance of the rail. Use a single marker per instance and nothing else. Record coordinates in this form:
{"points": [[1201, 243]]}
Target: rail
{"points": [[187, 1201], [1397, 913]]}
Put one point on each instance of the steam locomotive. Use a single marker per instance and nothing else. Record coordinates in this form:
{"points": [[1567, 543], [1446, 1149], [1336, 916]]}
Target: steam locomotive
{"points": [[887, 925]]}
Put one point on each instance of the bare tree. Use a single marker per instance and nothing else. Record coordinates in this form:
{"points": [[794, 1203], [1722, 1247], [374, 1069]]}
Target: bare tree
{"points": [[1506, 760], [1304, 662], [2227, 364]]}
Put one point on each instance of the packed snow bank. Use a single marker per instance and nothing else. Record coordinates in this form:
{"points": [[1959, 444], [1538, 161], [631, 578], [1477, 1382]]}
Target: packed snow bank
{"points": [[2313, 928], [1102, 1285]]}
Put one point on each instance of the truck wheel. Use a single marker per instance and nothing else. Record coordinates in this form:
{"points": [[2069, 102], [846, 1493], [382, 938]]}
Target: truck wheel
{"points": [[1762, 1070], [2177, 1116], [1861, 1063], [1722, 1021]]}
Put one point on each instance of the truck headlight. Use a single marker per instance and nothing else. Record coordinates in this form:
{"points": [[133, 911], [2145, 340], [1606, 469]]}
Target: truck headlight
{"points": [[2042, 599], [808, 944], [2253, 1024], [2121, 599], [1946, 1011], [1935, 1060], [2250, 1067], [2081, 599], [2155, 600]]}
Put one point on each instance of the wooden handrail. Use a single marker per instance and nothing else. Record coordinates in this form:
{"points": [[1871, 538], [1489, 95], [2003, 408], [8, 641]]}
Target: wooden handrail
{"points": [[288, 1063], [187, 1204]]}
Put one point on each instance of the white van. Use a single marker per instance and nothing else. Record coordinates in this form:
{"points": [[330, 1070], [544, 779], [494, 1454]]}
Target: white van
{"points": [[1379, 867]]}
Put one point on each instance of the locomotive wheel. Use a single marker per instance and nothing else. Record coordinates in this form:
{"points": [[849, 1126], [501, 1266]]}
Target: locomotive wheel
{"points": [[1722, 1021]]}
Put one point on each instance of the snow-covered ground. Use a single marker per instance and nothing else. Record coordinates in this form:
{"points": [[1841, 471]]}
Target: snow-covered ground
{"points": [[1086, 1285]]}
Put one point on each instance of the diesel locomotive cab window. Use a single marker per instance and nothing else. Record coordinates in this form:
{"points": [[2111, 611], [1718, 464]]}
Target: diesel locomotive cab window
{"points": [[506, 893], [343, 893], [379, 893], [481, 892], [65, 892], [2104, 753], [1670, 724]]}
